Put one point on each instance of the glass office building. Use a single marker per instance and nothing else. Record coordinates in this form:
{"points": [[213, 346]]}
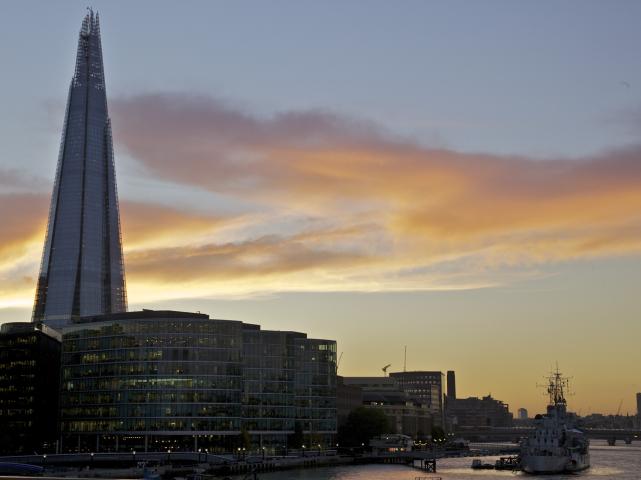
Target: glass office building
{"points": [[289, 384], [159, 380], [29, 372], [316, 390], [270, 361], [82, 271]]}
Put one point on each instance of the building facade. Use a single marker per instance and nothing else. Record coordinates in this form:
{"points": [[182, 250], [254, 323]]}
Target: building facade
{"points": [[428, 387], [316, 391], [82, 270], [348, 398], [479, 412], [289, 383], [522, 414], [29, 381], [406, 415], [158, 380], [451, 385]]}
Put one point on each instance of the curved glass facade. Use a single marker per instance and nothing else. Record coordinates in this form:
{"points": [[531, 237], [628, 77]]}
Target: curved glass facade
{"points": [[151, 373], [156, 380]]}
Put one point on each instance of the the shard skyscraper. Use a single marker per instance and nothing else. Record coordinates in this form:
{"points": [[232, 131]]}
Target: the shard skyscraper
{"points": [[82, 270]]}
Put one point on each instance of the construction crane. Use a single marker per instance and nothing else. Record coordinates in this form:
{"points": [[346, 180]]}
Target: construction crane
{"points": [[385, 369], [338, 363], [405, 360], [614, 417]]}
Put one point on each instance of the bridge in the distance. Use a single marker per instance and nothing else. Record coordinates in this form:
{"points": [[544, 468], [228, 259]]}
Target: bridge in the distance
{"points": [[512, 434]]}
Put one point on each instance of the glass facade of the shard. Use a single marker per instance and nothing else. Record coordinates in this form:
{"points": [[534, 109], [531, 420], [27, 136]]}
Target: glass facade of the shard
{"points": [[82, 269]]}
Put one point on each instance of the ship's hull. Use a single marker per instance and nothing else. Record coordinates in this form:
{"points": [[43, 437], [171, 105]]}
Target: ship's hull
{"points": [[554, 464]]}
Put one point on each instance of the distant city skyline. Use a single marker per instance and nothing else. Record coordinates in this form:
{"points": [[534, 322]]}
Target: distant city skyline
{"points": [[461, 179]]}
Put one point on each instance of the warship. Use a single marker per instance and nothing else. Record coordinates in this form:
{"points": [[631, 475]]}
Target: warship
{"points": [[555, 446]]}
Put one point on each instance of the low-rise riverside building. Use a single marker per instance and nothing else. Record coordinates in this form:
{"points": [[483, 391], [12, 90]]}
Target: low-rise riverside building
{"points": [[406, 415], [348, 398], [479, 412], [29, 379], [428, 387], [391, 443], [165, 380]]}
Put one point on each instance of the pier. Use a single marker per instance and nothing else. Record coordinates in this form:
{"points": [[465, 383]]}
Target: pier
{"points": [[514, 434]]}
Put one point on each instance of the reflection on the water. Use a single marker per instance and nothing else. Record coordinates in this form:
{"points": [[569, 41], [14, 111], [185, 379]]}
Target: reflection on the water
{"points": [[619, 462]]}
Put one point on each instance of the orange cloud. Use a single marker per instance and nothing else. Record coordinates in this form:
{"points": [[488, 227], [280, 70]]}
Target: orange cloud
{"points": [[23, 218], [428, 206], [147, 225], [341, 205]]}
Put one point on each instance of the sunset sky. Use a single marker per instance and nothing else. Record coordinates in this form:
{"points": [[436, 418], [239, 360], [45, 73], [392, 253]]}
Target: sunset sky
{"points": [[463, 178]]}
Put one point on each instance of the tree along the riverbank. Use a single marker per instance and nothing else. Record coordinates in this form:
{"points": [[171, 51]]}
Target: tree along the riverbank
{"points": [[361, 426], [438, 434]]}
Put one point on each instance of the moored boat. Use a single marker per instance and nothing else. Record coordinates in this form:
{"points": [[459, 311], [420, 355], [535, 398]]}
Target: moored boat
{"points": [[555, 446], [477, 464]]}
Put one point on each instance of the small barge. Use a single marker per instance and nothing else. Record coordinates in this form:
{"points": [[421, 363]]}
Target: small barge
{"points": [[503, 463]]}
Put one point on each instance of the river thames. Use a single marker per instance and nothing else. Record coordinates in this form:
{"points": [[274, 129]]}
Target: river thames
{"points": [[621, 461]]}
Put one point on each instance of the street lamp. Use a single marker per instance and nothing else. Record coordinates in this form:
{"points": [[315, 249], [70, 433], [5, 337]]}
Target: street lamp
{"points": [[199, 452], [263, 454], [91, 460], [44, 459], [133, 453], [319, 450], [303, 450], [169, 455]]}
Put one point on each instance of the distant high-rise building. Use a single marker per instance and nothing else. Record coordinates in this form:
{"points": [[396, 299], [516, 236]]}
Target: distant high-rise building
{"points": [[639, 408], [82, 270], [451, 385], [522, 414]]}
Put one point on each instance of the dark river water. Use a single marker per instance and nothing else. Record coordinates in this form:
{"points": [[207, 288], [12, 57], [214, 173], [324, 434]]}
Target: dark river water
{"points": [[621, 461]]}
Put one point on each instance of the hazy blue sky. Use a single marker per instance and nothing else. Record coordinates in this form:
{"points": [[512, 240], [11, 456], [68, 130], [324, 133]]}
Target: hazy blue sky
{"points": [[462, 177], [538, 78]]}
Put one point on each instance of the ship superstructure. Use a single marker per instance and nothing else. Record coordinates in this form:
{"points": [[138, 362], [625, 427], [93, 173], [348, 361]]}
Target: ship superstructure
{"points": [[556, 445]]}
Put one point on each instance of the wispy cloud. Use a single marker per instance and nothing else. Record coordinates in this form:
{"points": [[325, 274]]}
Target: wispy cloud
{"points": [[425, 207], [341, 205]]}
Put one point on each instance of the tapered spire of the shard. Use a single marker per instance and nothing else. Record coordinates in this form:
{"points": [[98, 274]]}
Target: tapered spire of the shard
{"points": [[82, 270]]}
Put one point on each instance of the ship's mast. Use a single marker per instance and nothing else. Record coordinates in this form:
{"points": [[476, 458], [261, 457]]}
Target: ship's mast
{"points": [[557, 386]]}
